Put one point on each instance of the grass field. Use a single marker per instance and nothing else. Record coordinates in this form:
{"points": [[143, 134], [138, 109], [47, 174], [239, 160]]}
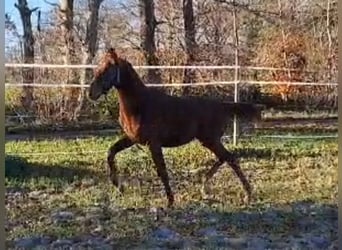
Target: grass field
{"points": [[65, 199]]}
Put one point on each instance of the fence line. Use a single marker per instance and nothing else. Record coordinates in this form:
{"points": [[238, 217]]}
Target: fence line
{"points": [[236, 82], [105, 151], [83, 66], [43, 85], [289, 136]]}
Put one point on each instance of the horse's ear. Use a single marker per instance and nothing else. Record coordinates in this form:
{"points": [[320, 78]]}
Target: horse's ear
{"points": [[112, 54]]}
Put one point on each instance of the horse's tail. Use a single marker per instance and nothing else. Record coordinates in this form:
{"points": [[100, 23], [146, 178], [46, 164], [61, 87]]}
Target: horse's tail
{"points": [[246, 111]]}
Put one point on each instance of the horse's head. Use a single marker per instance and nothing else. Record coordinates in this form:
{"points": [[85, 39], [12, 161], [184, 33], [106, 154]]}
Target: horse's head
{"points": [[110, 73]]}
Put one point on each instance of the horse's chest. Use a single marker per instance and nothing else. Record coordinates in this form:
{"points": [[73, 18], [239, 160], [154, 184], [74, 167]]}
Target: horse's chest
{"points": [[130, 126]]}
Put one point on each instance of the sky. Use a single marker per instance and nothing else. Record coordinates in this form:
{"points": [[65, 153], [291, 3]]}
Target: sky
{"points": [[44, 7], [14, 13], [11, 40]]}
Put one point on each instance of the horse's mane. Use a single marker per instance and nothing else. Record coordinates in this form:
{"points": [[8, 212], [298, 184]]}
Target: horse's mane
{"points": [[107, 59], [103, 64], [132, 71]]}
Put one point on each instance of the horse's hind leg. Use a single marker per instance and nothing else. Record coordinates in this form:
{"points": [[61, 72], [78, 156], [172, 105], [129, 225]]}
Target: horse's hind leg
{"points": [[158, 159], [224, 155], [118, 146]]}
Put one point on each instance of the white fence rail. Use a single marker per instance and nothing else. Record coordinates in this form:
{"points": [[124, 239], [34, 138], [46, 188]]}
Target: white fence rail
{"points": [[238, 82], [84, 66], [197, 84]]}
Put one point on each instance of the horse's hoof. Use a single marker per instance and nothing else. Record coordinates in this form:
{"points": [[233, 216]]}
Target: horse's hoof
{"points": [[205, 192], [114, 182], [170, 203], [121, 188], [118, 184]]}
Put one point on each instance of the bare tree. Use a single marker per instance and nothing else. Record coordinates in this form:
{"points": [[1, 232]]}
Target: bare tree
{"points": [[66, 11], [147, 33], [330, 72], [208, 25], [190, 41], [28, 47], [89, 46], [91, 36], [283, 36], [66, 15]]}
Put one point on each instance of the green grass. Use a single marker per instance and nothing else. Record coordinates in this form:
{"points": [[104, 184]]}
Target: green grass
{"points": [[283, 173]]}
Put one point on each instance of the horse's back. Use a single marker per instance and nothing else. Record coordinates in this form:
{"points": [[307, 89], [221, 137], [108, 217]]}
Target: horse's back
{"points": [[172, 120]]}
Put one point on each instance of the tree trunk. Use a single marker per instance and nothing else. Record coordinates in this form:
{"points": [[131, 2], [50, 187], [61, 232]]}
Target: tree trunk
{"points": [[66, 14], [190, 42], [28, 47], [217, 39], [89, 47], [283, 94], [330, 71], [147, 33]]}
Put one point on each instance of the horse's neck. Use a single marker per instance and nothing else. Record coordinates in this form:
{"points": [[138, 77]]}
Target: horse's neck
{"points": [[131, 100], [135, 78]]}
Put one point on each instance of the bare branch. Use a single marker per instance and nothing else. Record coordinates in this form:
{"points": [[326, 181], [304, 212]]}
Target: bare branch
{"points": [[133, 44], [52, 4], [25, 7], [34, 9], [246, 7], [160, 22]]}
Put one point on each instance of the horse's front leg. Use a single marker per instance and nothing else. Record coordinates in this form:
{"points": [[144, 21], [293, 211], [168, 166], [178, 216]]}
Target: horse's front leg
{"points": [[121, 144], [158, 159]]}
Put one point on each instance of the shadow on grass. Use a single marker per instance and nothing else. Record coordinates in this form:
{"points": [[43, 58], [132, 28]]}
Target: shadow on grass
{"points": [[315, 224], [19, 169], [277, 222], [297, 225], [254, 152], [259, 153]]}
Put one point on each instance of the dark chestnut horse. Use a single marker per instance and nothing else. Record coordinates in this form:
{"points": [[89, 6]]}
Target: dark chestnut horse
{"points": [[152, 118]]}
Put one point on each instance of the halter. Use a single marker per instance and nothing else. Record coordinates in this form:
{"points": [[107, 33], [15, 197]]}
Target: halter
{"points": [[117, 80], [118, 75]]}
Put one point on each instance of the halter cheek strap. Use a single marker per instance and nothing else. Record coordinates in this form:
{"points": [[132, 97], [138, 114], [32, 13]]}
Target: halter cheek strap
{"points": [[118, 75]]}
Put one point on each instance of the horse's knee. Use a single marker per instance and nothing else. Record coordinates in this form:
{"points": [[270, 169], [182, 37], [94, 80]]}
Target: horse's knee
{"points": [[117, 147], [232, 159], [224, 155]]}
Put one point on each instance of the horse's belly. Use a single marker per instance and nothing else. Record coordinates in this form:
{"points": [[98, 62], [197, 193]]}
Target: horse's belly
{"points": [[175, 143], [176, 139]]}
